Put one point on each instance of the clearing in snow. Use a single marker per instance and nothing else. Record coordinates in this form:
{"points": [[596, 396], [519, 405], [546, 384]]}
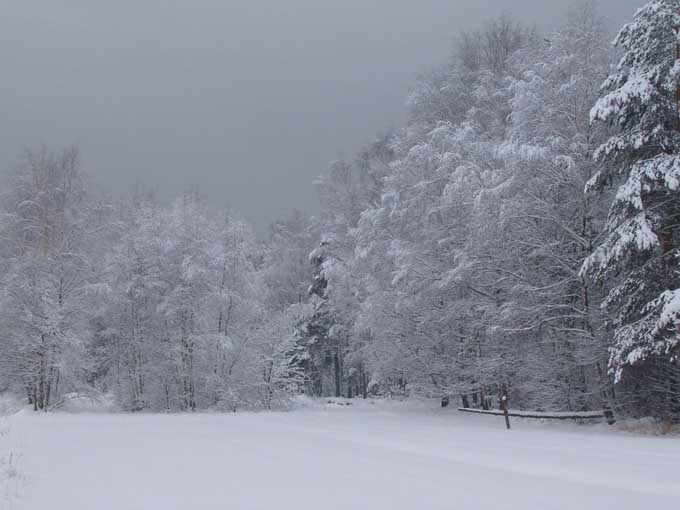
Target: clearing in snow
{"points": [[385, 456]]}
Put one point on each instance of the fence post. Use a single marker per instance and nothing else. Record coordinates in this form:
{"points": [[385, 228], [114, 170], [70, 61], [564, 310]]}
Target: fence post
{"points": [[504, 406], [609, 415]]}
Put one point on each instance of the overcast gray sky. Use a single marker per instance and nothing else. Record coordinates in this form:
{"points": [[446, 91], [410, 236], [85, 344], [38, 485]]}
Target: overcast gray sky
{"points": [[247, 99]]}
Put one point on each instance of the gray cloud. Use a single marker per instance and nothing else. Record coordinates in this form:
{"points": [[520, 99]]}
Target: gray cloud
{"points": [[247, 99]]}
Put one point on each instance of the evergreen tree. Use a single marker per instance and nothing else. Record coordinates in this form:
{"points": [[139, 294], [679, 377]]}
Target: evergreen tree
{"points": [[319, 354], [639, 254]]}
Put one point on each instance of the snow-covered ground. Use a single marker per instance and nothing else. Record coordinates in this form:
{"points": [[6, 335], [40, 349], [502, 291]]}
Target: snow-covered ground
{"points": [[380, 456]]}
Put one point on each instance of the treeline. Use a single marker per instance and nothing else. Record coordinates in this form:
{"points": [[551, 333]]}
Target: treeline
{"points": [[517, 236], [166, 308]]}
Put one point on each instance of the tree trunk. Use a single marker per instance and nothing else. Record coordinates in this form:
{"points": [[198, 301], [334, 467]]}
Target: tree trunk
{"points": [[484, 401], [336, 365]]}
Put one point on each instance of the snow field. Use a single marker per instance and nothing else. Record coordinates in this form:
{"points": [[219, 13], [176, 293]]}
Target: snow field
{"points": [[385, 456]]}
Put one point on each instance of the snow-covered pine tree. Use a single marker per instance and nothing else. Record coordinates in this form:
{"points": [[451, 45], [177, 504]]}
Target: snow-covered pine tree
{"points": [[319, 355], [639, 255]]}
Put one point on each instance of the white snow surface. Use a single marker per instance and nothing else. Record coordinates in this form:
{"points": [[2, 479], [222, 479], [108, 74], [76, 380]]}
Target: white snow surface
{"points": [[364, 456]]}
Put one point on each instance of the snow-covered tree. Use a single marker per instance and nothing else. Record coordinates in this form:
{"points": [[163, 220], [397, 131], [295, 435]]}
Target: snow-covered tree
{"points": [[49, 235], [639, 256], [185, 301], [276, 356], [552, 224], [286, 267]]}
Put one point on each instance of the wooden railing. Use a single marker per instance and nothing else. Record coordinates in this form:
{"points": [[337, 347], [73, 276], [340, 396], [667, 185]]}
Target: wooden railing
{"points": [[561, 415]]}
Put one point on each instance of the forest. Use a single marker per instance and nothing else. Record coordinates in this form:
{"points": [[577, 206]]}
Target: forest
{"points": [[518, 235]]}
